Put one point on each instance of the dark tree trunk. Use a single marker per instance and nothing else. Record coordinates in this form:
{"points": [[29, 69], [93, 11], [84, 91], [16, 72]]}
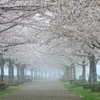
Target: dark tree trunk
{"points": [[18, 75], [92, 73], [22, 77], [39, 74], [2, 62], [83, 71], [11, 72], [35, 74], [71, 71], [94, 70], [74, 72], [67, 73], [26, 76], [2, 73], [32, 73]]}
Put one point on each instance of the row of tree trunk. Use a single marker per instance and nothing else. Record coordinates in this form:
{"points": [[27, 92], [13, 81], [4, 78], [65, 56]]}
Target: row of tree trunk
{"points": [[20, 71], [70, 73], [92, 77]]}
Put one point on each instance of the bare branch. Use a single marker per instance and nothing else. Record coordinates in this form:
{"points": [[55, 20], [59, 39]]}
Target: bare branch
{"points": [[9, 28]]}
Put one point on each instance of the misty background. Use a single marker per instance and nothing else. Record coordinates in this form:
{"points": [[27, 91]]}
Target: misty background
{"points": [[79, 72]]}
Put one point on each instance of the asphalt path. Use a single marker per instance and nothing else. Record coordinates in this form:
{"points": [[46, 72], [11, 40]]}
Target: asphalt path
{"points": [[43, 90]]}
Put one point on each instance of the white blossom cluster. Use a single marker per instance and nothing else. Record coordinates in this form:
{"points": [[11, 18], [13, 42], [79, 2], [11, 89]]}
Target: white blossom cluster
{"points": [[30, 30]]}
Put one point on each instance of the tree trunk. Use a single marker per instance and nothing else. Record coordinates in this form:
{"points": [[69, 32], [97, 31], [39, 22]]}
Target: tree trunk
{"points": [[26, 76], [94, 70], [71, 71], [74, 72], [92, 73], [18, 75], [31, 73], [67, 73], [2, 62], [39, 74], [35, 74], [83, 72], [22, 73], [2, 73], [11, 73]]}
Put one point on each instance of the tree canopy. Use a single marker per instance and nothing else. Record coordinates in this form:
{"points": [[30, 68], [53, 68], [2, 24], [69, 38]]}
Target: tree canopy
{"points": [[65, 31]]}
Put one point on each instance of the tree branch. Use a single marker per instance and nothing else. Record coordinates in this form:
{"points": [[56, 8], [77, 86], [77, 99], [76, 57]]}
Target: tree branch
{"points": [[24, 8], [8, 28], [11, 20]]}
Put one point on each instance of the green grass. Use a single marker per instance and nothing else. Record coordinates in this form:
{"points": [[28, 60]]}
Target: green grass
{"points": [[12, 89], [85, 93], [91, 83]]}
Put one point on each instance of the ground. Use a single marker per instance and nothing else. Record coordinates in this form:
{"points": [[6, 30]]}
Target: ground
{"points": [[43, 90]]}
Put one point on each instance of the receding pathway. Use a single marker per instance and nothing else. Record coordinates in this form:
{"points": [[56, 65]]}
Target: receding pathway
{"points": [[43, 90]]}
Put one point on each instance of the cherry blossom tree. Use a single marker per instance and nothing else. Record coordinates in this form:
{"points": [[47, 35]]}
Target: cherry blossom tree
{"points": [[33, 29]]}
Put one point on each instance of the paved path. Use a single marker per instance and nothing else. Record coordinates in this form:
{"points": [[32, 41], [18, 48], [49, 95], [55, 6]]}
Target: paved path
{"points": [[43, 90]]}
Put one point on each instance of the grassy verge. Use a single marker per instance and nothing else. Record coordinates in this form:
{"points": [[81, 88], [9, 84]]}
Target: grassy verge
{"points": [[12, 89], [86, 94]]}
